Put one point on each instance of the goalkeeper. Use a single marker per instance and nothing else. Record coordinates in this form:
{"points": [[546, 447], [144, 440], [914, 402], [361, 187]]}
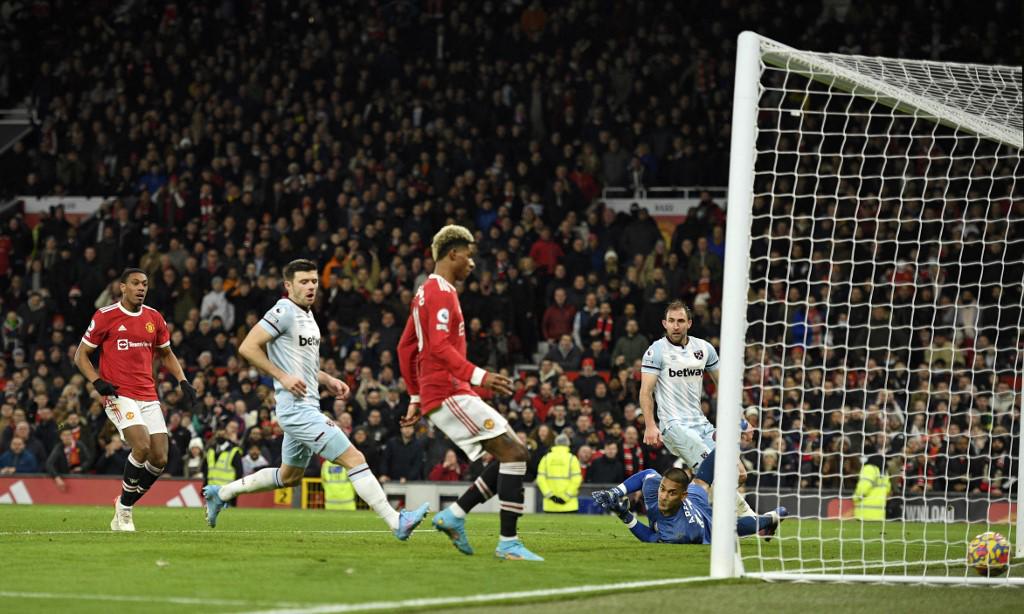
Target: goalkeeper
{"points": [[678, 509]]}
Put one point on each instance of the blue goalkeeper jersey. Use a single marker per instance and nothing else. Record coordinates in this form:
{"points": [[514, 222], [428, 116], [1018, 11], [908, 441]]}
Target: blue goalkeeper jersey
{"points": [[690, 525]]}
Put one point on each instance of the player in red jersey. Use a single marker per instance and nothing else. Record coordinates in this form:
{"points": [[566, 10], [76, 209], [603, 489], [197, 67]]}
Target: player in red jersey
{"points": [[127, 334], [432, 357]]}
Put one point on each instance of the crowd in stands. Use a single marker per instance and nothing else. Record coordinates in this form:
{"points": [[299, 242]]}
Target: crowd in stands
{"points": [[230, 138]]}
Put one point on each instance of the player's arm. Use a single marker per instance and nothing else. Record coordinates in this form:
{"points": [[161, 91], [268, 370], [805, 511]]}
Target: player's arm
{"points": [[637, 528], [408, 350], [652, 434], [254, 351], [634, 483], [169, 360], [711, 366], [333, 385], [87, 369]]}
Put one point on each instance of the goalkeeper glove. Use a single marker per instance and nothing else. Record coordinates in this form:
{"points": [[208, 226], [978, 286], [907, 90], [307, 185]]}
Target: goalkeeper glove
{"points": [[105, 388], [558, 499], [607, 498], [189, 392]]}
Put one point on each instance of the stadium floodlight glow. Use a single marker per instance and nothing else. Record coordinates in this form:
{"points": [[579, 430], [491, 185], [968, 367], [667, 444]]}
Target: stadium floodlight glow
{"points": [[871, 214]]}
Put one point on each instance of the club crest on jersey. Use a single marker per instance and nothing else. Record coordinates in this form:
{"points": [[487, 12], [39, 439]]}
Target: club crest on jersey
{"points": [[150, 327], [698, 354], [488, 424], [129, 415]]}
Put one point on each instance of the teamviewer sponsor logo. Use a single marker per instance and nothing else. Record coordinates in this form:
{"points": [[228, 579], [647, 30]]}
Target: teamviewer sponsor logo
{"points": [[124, 344]]}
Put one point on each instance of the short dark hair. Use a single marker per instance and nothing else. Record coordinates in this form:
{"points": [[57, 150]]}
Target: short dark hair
{"points": [[297, 266], [677, 304], [125, 274], [678, 476]]}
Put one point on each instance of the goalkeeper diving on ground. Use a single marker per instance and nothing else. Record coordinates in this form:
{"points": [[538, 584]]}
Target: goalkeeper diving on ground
{"points": [[678, 508]]}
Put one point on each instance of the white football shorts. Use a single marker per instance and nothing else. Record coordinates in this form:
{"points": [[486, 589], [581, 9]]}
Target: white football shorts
{"points": [[467, 420], [125, 412]]}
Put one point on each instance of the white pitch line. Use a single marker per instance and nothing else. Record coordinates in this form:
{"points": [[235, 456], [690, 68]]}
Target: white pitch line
{"points": [[142, 599], [29, 532], [480, 598]]}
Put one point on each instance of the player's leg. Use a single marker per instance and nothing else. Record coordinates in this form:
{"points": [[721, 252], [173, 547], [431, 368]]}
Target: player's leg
{"points": [[512, 457], [742, 507], [402, 523], [155, 463], [156, 459], [127, 416], [137, 436], [470, 423], [294, 458]]}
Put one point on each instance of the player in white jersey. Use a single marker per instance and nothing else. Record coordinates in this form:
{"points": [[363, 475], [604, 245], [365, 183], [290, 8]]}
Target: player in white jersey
{"points": [[672, 373], [286, 345]]}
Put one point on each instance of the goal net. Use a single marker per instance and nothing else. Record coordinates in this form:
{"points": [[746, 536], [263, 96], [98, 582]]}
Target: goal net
{"points": [[875, 251]]}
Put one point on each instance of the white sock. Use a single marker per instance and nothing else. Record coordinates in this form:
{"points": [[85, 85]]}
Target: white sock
{"points": [[457, 510], [369, 490], [264, 479], [742, 507]]}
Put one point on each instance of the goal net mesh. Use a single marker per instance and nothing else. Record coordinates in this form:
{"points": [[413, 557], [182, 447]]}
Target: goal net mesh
{"points": [[884, 312]]}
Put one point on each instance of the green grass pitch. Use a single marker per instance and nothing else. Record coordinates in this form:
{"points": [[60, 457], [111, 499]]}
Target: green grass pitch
{"points": [[64, 559]]}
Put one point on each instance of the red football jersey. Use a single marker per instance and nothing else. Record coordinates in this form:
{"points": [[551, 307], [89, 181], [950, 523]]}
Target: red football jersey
{"points": [[126, 341], [432, 351]]}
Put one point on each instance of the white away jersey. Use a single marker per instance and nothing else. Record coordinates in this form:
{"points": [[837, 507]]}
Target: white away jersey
{"points": [[295, 349], [680, 372]]}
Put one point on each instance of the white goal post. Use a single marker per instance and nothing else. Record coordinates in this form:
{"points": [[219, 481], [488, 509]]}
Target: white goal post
{"points": [[873, 298]]}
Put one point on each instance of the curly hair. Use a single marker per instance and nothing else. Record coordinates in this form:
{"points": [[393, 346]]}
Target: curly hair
{"points": [[449, 238]]}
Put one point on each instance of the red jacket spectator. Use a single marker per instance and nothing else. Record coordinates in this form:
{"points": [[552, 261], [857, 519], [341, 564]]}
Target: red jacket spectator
{"points": [[545, 252], [448, 470], [558, 318]]}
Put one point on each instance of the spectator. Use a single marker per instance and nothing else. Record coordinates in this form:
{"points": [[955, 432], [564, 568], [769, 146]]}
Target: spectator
{"points": [[215, 304], [448, 470], [607, 468], [18, 459], [403, 457], [254, 460], [558, 317], [629, 348], [70, 456], [565, 354], [194, 460], [23, 431], [588, 379]]}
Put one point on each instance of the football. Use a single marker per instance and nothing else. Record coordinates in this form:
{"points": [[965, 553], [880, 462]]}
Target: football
{"points": [[989, 554]]}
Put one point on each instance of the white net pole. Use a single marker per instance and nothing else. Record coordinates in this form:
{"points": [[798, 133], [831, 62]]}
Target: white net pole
{"points": [[733, 304], [884, 234], [734, 291]]}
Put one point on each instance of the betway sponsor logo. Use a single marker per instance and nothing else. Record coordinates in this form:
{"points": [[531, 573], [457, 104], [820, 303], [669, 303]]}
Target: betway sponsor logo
{"points": [[685, 372], [304, 341], [124, 344]]}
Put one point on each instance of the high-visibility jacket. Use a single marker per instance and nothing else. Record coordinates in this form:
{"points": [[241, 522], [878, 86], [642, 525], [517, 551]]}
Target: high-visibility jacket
{"points": [[338, 491], [220, 467], [559, 475], [869, 498]]}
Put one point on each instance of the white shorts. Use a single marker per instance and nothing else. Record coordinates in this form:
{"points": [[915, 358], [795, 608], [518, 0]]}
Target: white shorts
{"points": [[467, 420], [125, 412], [691, 444]]}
